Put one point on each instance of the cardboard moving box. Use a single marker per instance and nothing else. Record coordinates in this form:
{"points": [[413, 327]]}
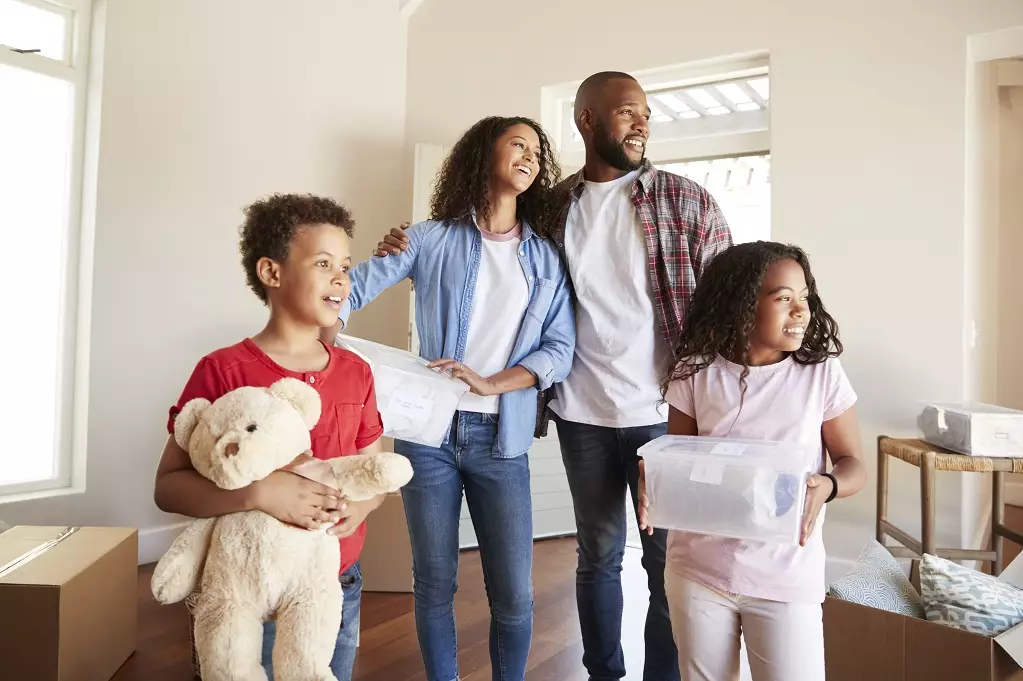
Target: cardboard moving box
{"points": [[386, 559], [68, 602], [866, 644]]}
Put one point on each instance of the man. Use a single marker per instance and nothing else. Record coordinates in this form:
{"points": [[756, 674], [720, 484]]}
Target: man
{"points": [[635, 239]]}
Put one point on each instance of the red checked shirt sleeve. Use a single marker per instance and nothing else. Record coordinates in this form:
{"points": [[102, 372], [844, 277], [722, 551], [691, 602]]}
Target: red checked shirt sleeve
{"points": [[713, 235]]}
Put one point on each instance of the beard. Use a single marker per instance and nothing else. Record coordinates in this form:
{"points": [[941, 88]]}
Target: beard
{"points": [[612, 151]]}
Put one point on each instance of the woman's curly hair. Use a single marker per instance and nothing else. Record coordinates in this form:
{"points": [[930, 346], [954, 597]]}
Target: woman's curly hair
{"points": [[723, 312], [463, 181]]}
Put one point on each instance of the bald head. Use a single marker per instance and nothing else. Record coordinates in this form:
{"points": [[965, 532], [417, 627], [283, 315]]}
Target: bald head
{"points": [[591, 90]]}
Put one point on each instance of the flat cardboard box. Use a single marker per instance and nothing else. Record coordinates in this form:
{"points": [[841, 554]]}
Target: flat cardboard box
{"points": [[386, 559], [69, 612], [866, 644]]}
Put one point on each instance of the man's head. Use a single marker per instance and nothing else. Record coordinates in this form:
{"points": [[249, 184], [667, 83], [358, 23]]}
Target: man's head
{"points": [[296, 253], [613, 117]]}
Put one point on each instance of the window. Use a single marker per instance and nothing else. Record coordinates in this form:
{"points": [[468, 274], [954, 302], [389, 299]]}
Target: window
{"points": [[709, 122], [43, 55]]}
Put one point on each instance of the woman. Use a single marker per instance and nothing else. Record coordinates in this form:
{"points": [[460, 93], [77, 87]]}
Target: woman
{"points": [[493, 308]]}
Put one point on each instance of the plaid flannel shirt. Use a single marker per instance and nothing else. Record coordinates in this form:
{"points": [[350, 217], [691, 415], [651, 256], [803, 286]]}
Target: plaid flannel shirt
{"points": [[683, 228]]}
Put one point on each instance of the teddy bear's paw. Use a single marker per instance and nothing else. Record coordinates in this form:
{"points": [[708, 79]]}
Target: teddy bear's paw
{"points": [[169, 587]]}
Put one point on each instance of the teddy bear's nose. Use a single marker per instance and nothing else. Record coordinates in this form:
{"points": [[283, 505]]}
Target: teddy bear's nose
{"points": [[231, 449], [251, 428]]}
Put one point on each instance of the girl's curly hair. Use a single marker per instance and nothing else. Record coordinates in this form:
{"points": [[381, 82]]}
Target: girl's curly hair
{"points": [[723, 312], [463, 181]]}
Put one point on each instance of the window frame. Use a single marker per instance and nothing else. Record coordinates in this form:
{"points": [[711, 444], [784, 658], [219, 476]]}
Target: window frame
{"points": [[71, 421], [703, 146]]}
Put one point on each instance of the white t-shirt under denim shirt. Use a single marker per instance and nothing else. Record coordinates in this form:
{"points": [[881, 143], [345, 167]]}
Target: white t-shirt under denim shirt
{"points": [[498, 306], [784, 402], [620, 355]]}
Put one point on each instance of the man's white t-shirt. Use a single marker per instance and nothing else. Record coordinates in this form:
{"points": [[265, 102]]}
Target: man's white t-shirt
{"points": [[498, 306], [620, 354]]}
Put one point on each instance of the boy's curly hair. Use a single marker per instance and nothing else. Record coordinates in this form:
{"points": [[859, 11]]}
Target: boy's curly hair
{"points": [[723, 312], [463, 181], [271, 223]]}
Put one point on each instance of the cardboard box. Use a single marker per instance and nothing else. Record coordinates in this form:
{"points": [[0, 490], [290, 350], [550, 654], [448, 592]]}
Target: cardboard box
{"points": [[387, 555], [68, 602], [866, 644]]}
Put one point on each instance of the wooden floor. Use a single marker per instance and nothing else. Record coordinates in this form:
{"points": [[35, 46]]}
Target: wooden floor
{"points": [[388, 649]]}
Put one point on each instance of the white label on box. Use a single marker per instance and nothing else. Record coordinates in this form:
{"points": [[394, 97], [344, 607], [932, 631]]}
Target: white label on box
{"points": [[416, 408], [707, 472], [728, 449]]}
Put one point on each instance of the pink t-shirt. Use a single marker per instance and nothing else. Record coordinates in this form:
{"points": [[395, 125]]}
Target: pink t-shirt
{"points": [[784, 402]]}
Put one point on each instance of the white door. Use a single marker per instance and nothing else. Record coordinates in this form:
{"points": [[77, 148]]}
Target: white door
{"points": [[428, 160], [552, 503]]}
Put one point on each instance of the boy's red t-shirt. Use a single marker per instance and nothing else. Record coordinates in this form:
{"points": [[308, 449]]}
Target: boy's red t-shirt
{"points": [[349, 419]]}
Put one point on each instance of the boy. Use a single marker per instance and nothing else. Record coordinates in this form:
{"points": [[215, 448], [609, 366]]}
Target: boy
{"points": [[295, 250]]}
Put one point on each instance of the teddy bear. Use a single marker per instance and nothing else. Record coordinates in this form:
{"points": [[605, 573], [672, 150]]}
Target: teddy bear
{"points": [[245, 568]]}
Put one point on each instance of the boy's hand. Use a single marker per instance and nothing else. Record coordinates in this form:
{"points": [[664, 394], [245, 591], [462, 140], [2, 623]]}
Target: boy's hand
{"points": [[642, 511], [296, 500], [393, 243], [818, 488], [477, 384], [353, 516]]}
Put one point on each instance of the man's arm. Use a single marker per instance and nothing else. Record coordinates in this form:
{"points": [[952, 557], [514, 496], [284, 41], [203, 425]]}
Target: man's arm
{"points": [[713, 235]]}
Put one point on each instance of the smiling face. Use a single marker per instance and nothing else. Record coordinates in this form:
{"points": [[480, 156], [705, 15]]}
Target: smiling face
{"points": [[783, 313], [618, 124], [516, 159], [310, 285]]}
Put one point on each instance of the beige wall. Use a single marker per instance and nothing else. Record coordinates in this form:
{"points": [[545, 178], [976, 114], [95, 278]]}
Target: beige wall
{"points": [[868, 154], [205, 107]]}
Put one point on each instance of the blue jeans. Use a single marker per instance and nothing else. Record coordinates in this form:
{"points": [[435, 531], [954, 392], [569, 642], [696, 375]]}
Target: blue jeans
{"points": [[497, 492], [601, 464], [347, 637]]}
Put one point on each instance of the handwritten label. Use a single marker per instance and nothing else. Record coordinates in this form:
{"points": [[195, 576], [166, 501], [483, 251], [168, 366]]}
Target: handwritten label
{"points": [[416, 408], [708, 472], [728, 449]]}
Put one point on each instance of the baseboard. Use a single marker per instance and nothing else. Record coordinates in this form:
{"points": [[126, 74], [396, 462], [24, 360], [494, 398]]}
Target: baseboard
{"points": [[154, 541]]}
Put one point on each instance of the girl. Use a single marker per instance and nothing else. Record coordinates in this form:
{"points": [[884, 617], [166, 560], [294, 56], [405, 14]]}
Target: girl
{"points": [[493, 309], [759, 360]]}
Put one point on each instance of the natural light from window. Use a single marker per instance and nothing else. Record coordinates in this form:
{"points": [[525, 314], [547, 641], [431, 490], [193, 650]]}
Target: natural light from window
{"points": [[39, 120]]}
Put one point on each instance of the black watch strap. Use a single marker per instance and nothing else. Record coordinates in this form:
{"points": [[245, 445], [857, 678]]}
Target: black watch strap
{"points": [[834, 487]]}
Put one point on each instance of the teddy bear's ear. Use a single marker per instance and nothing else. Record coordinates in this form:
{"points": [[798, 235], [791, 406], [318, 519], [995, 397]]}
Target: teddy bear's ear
{"points": [[186, 421], [301, 396]]}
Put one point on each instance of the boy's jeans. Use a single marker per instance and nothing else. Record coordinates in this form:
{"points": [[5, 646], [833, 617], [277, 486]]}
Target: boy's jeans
{"points": [[347, 637]]}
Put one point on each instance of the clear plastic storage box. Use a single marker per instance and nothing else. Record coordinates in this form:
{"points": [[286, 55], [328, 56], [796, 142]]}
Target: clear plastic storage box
{"points": [[416, 403], [743, 489], [973, 428]]}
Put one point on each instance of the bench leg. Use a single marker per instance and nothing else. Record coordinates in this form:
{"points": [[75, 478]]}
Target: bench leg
{"points": [[882, 492], [997, 521]]}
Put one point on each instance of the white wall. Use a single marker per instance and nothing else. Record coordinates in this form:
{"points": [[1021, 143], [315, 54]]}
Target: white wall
{"points": [[868, 161], [205, 107]]}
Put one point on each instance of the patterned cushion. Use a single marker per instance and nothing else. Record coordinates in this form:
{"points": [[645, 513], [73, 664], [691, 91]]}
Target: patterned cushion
{"points": [[967, 599], [878, 580]]}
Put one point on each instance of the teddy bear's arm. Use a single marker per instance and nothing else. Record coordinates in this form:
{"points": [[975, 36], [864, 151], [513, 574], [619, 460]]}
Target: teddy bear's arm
{"points": [[177, 574], [364, 476]]}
